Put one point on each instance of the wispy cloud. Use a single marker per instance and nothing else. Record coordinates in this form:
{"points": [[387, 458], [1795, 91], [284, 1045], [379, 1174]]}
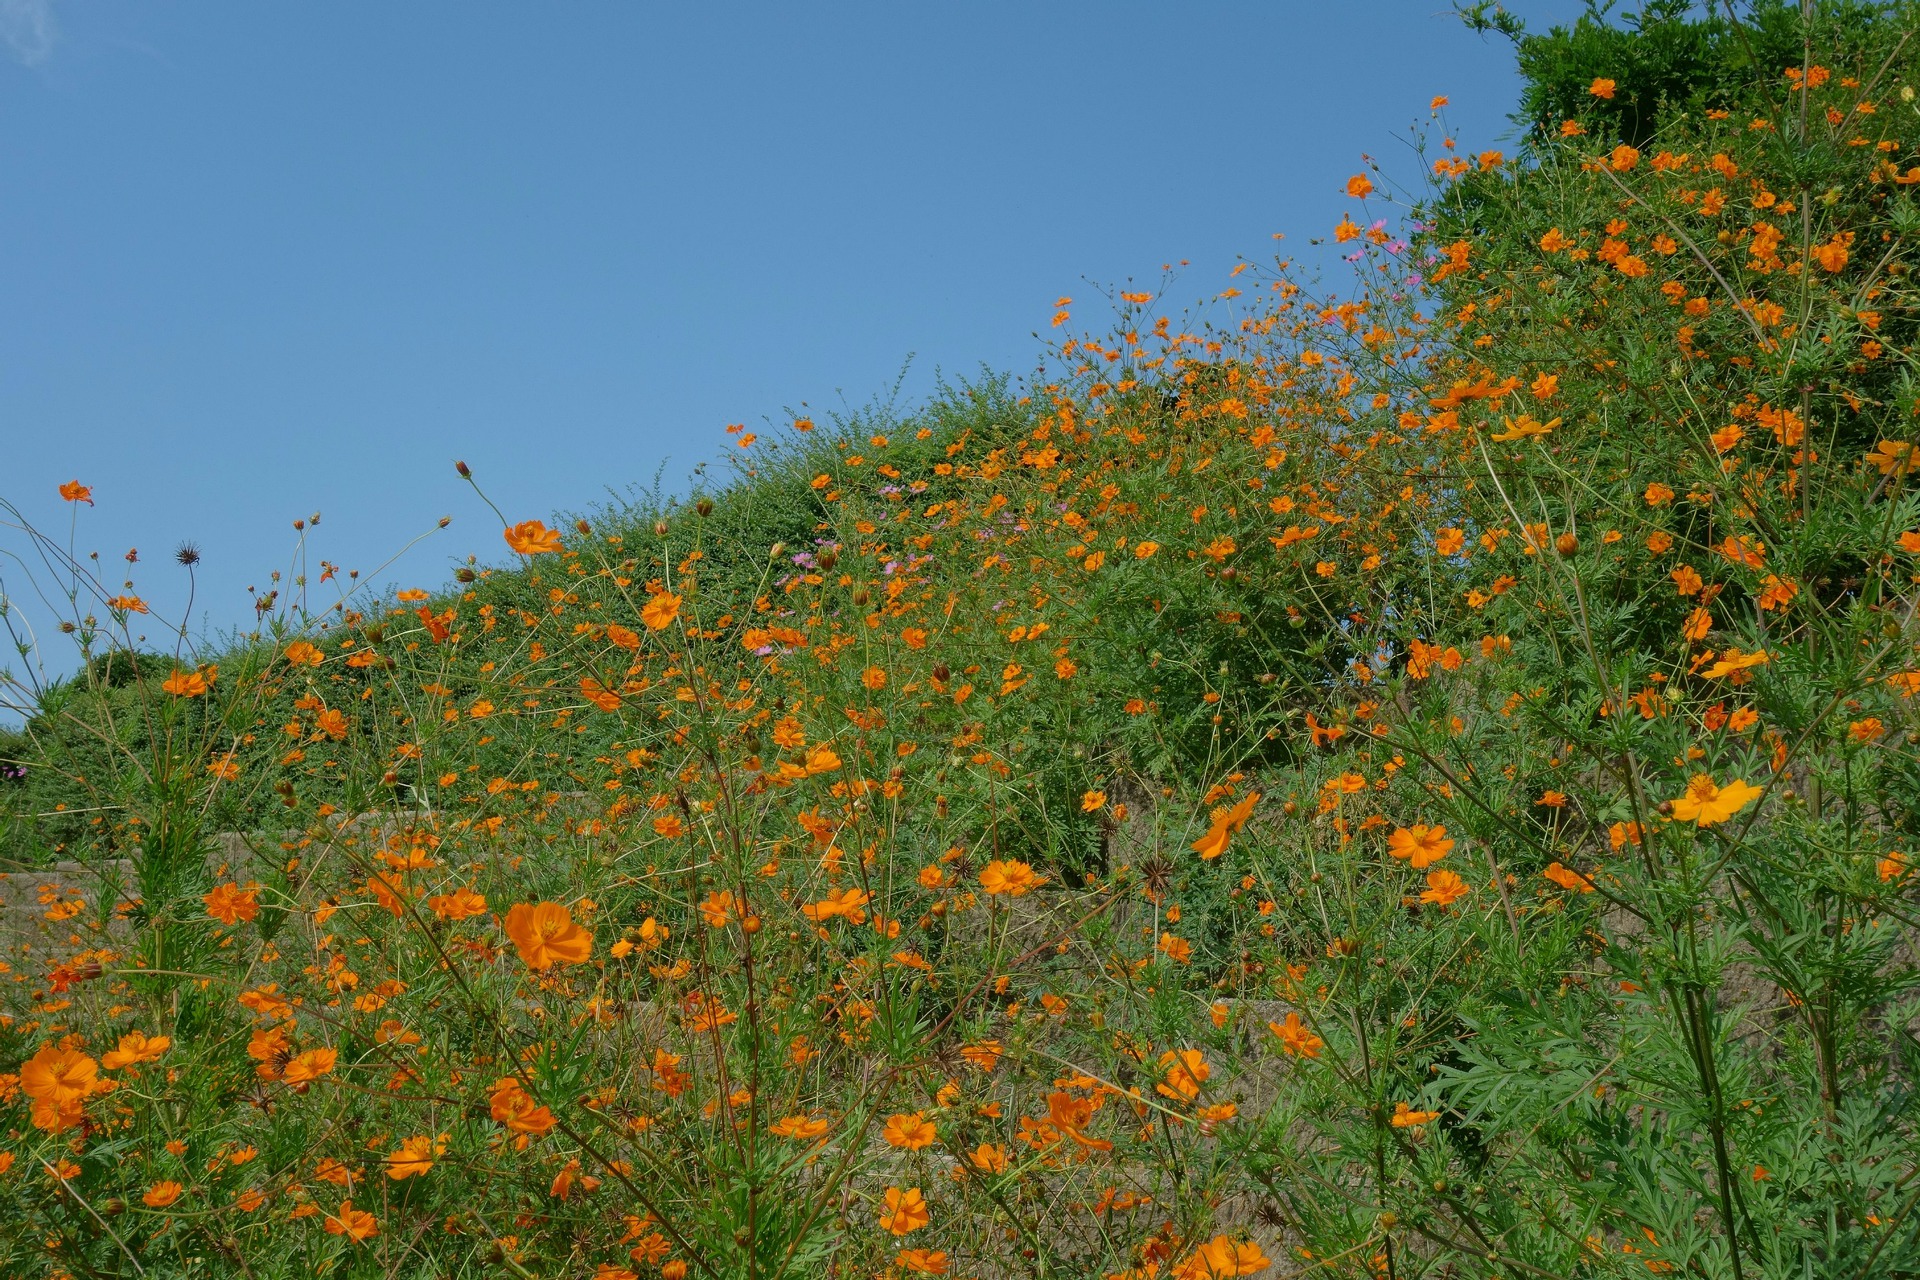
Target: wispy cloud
{"points": [[29, 30]]}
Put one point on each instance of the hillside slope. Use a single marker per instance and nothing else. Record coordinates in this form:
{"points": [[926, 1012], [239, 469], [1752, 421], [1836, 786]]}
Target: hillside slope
{"points": [[1413, 781]]}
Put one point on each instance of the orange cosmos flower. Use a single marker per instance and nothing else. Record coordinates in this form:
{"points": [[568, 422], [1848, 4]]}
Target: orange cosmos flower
{"points": [[848, 902], [905, 1211], [1071, 1116], [1890, 456], [1186, 1070], [1221, 1257], [531, 538], [1421, 846], [1567, 879], [74, 491], [1359, 187], [1443, 888], [988, 1157], [135, 1047], [1010, 879], [356, 1225], [302, 654], [1093, 800], [230, 904], [1296, 1038], [414, 1157], [304, 1068], [1405, 1117], [185, 684], [909, 1131], [1601, 88], [926, 1262], [660, 611], [515, 1108], [669, 826], [800, 1128], [461, 904], [545, 935], [161, 1194], [58, 1076], [984, 1055], [874, 678], [1225, 823], [1706, 803]]}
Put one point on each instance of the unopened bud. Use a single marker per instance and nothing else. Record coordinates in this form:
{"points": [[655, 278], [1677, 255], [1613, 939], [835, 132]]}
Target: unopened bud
{"points": [[1566, 544], [466, 472], [659, 528], [704, 507], [445, 521], [582, 526]]}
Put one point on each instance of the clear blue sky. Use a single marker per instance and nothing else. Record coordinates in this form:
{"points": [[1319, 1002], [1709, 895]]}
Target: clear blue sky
{"points": [[258, 260]]}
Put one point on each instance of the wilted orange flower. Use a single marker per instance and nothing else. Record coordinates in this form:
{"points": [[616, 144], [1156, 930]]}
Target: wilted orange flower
{"points": [[355, 1224], [531, 538], [161, 1194], [229, 903], [1706, 803], [660, 610], [905, 1211], [545, 935], [909, 1131], [1009, 878], [1421, 846], [1296, 1038], [74, 491]]}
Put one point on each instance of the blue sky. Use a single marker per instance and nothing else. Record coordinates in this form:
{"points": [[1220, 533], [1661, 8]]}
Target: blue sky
{"points": [[258, 261]]}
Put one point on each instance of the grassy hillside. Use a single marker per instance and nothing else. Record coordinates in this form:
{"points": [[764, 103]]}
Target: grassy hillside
{"points": [[1411, 779]]}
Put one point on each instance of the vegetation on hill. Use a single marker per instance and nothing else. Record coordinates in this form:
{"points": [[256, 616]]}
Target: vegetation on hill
{"points": [[1417, 781]]}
